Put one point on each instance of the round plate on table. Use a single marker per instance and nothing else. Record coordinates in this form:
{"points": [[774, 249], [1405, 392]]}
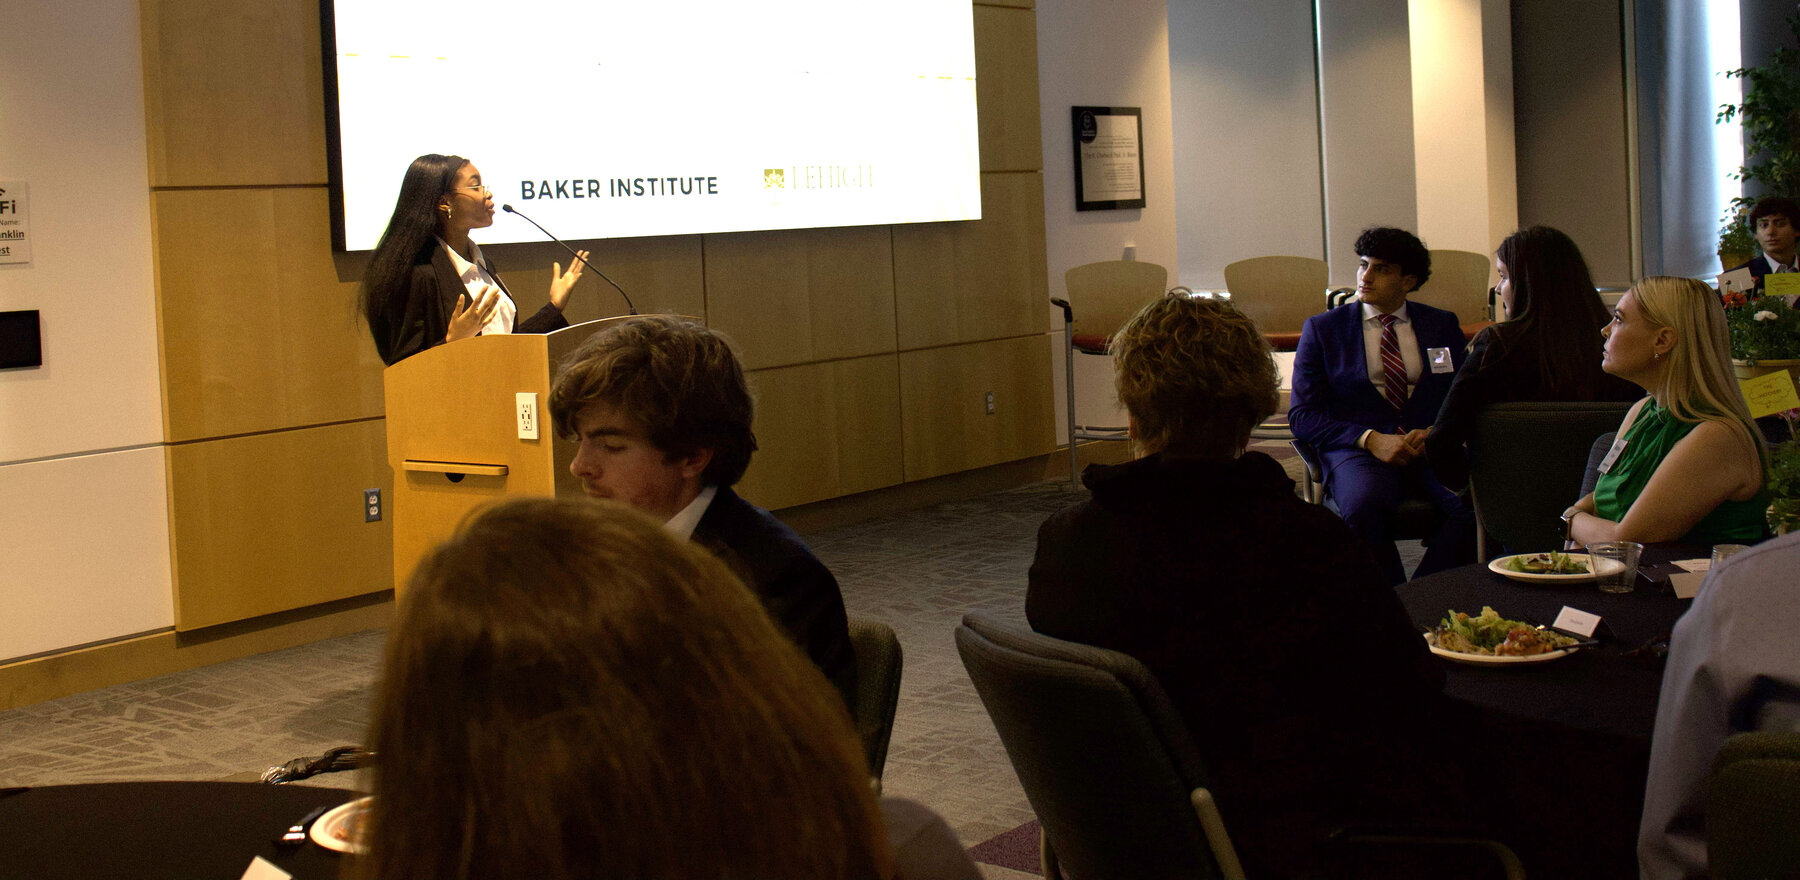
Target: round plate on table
{"points": [[1498, 566], [1492, 659], [340, 828]]}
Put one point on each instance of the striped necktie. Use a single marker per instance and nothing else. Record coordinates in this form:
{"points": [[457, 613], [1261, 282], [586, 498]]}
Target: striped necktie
{"points": [[1393, 367]]}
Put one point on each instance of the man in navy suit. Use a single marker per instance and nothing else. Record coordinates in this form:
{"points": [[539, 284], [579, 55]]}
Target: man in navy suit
{"points": [[1369, 378], [662, 414], [1776, 220]]}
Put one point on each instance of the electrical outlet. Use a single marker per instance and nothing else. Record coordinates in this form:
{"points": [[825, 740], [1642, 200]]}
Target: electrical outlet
{"points": [[528, 415], [371, 505], [990, 403]]}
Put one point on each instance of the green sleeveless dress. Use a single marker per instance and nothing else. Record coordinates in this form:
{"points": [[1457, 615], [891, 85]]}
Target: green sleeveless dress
{"points": [[1647, 442]]}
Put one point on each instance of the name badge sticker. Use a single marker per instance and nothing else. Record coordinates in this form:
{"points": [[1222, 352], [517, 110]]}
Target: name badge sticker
{"points": [[1612, 455], [1577, 621], [1441, 361]]}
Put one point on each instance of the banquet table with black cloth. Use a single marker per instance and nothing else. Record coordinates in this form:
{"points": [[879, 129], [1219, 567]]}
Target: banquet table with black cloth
{"points": [[1564, 743], [155, 830]]}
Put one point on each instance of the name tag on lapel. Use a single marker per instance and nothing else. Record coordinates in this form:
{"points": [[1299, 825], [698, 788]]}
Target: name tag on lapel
{"points": [[1440, 359], [1612, 455]]}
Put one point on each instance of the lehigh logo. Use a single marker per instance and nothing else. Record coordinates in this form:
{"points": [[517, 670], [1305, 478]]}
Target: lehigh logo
{"points": [[774, 178]]}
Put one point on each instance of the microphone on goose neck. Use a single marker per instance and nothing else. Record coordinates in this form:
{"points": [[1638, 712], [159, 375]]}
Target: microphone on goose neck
{"points": [[572, 252]]}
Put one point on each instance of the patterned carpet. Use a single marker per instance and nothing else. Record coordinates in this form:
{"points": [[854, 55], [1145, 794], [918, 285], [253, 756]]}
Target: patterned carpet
{"points": [[918, 571]]}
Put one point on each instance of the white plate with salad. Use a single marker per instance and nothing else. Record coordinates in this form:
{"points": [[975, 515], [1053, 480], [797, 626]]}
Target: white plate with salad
{"points": [[1487, 639], [1556, 568]]}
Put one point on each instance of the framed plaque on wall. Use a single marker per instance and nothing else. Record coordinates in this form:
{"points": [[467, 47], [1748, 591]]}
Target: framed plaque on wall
{"points": [[1109, 157]]}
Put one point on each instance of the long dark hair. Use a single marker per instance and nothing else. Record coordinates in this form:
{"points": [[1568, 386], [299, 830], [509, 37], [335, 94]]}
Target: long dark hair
{"points": [[1554, 301], [572, 692], [411, 231]]}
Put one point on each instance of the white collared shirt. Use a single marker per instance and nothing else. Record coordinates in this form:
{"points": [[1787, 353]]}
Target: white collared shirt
{"points": [[682, 524], [1774, 267], [474, 277], [1409, 347]]}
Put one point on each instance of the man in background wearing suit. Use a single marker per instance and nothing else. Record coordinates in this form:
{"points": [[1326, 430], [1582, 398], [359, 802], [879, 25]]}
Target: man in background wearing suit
{"points": [[662, 416], [1774, 219], [1369, 378]]}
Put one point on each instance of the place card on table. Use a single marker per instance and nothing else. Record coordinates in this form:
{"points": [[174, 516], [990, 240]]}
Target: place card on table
{"points": [[1701, 565], [1576, 621], [263, 869], [1686, 583]]}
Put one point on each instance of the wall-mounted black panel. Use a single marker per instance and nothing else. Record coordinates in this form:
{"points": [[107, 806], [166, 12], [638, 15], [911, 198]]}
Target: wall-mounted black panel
{"points": [[20, 344]]}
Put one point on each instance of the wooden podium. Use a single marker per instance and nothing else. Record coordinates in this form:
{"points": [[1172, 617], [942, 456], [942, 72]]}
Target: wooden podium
{"points": [[453, 433]]}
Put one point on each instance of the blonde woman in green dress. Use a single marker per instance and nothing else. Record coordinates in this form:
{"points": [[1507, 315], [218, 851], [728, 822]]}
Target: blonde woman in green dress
{"points": [[1688, 464]]}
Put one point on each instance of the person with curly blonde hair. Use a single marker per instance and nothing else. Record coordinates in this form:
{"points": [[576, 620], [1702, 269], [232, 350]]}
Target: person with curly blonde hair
{"points": [[1199, 559]]}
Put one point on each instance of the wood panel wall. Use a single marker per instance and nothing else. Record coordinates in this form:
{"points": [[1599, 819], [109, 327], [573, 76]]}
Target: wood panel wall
{"points": [[870, 349]]}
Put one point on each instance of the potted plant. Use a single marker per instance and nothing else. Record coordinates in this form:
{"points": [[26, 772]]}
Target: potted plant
{"points": [[1765, 334], [1770, 116], [1783, 480]]}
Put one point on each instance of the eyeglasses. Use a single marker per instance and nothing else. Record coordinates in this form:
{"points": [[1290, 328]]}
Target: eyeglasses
{"points": [[478, 189]]}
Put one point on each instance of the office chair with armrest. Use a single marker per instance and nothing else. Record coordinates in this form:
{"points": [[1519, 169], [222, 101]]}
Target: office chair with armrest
{"points": [[1753, 807], [1596, 454], [1279, 294], [1105, 294], [1109, 767], [1525, 459], [879, 664], [1459, 283], [1415, 519]]}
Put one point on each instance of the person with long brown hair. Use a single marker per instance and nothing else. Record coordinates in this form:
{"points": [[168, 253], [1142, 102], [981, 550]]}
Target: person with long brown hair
{"points": [[572, 692], [1548, 348]]}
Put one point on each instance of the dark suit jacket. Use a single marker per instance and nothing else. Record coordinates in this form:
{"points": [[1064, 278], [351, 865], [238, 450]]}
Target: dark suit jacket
{"points": [[1333, 401], [421, 321], [1499, 373], [1267, 622], [796, 588], [1758, 266]]}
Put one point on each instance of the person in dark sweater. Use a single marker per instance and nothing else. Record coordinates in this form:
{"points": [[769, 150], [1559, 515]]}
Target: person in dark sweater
{"points": [[1265, 619], [1548, 348]]}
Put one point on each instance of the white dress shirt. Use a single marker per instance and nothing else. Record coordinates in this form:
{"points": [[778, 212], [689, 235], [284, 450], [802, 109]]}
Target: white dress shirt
{"points": [[682, 524], [1409, 348], [474, 277]]}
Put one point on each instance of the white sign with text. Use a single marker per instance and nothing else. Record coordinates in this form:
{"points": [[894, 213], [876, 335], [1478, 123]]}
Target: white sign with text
{"points": [[15, 222]]}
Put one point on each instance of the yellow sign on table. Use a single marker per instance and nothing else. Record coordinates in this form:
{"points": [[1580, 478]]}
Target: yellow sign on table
{"points": [[1770, 393], [1781, 284]]}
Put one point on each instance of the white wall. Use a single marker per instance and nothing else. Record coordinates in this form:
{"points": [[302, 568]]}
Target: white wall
{"points": [[1115, 55], [1245, 91], [1365, 91], [1462, 122], [84, 552]]}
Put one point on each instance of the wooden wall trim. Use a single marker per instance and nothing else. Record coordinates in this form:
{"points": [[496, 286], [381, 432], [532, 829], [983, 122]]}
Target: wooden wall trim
{"points": [[38, 679]]}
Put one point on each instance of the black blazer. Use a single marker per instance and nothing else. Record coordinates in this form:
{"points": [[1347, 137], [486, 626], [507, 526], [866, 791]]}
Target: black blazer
{"points": [[421, 320], [796, 588], [1265, 620], [1493, 376]]}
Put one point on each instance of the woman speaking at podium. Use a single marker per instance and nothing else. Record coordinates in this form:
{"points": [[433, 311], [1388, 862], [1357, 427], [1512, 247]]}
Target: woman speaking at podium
{"points": [[427, 283]]}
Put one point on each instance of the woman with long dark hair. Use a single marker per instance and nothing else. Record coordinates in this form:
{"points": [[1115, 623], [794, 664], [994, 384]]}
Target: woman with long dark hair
{"points": [[1548, 348], [428, 283]]}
